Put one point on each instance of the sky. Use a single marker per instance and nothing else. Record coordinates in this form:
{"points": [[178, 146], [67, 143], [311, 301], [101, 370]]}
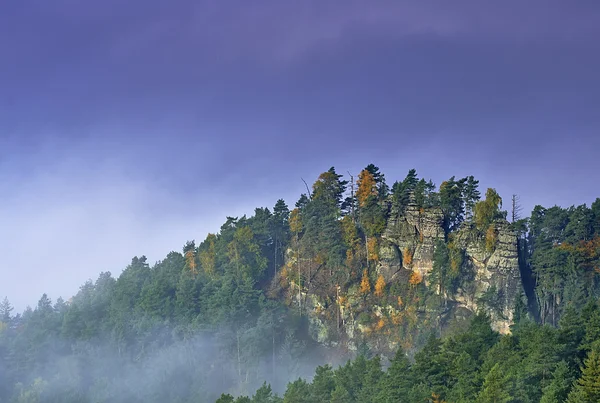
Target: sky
{"points": [[128, 128]]}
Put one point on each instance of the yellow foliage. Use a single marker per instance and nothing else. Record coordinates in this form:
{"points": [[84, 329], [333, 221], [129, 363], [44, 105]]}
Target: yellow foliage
{"points": [[487, 210], [207, 257], [366, 187], [415, 278], [342, 300], [454, 265], [295, 221], [283, 273], [349, 232], [380, 324], [373, 249], [380, 286], [365, 285], [407, 257]]}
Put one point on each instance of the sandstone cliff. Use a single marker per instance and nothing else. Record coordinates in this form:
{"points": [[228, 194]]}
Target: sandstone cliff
{"points": [[406, 255]]}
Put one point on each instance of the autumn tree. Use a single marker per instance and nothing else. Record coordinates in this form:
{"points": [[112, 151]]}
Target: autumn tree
{"points": [[367, 188], [371, 215], [189, 251], [365, 284], [379, 178], [380, 286], [208, 255], [488, 210]]}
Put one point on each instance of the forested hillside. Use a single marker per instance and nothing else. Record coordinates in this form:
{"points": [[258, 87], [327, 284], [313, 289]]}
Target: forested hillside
{"points": [[470, 300]]}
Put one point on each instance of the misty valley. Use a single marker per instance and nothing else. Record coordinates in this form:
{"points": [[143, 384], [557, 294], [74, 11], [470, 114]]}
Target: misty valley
{"points": [[363, 291]]}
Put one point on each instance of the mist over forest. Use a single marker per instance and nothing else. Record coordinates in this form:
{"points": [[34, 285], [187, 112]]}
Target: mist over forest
{"points": [[362, 292]]}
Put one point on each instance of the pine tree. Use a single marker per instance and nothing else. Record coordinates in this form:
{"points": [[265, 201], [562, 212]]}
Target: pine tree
{"points": [[398, 380], [558, 390], [5, 311], [471, 196], [494, 389], [589, 381]]}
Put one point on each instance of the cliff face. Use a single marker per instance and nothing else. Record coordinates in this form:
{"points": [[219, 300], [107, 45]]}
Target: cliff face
{"points": [[495, 281], [490, 281]]}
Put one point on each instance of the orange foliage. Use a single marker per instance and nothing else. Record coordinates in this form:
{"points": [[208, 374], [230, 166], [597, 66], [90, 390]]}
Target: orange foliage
{"points": [[373, 249], [366, 187], [435, 398], [588, 253], [365, 285], [415, 278], [190, 259], [380, 324], [400, 302], [397, 319], [407, 257], [380, 286]]}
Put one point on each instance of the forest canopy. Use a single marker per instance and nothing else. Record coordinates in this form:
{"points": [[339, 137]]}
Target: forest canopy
{"points": [[336, 281]]}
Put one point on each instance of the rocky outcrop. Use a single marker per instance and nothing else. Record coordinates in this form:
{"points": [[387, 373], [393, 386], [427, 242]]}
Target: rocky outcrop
{"points": [[409, 240], [490, 281], [409, 243], [497, 279]]}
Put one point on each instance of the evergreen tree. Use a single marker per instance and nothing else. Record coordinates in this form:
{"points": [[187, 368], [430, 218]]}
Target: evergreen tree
{"points": [[495, 387], [562, 379], [5, 311], [398, 380], [589, 382], [471, 196]]}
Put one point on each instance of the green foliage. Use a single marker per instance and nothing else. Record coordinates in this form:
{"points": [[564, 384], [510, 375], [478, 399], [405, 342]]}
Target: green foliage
{"points": [[488, 210], [234, 291], [495, 387]]}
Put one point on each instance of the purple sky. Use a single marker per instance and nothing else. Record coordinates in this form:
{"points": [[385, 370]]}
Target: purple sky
{"points": [[129, 127]]}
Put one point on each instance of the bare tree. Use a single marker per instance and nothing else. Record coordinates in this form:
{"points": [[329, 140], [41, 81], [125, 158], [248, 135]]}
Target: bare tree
{"points": [[352, 197], [516, 208]]}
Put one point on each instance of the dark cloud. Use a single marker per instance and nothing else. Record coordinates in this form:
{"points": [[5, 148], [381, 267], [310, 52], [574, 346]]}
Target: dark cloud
{"points": [[203, 109]]}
